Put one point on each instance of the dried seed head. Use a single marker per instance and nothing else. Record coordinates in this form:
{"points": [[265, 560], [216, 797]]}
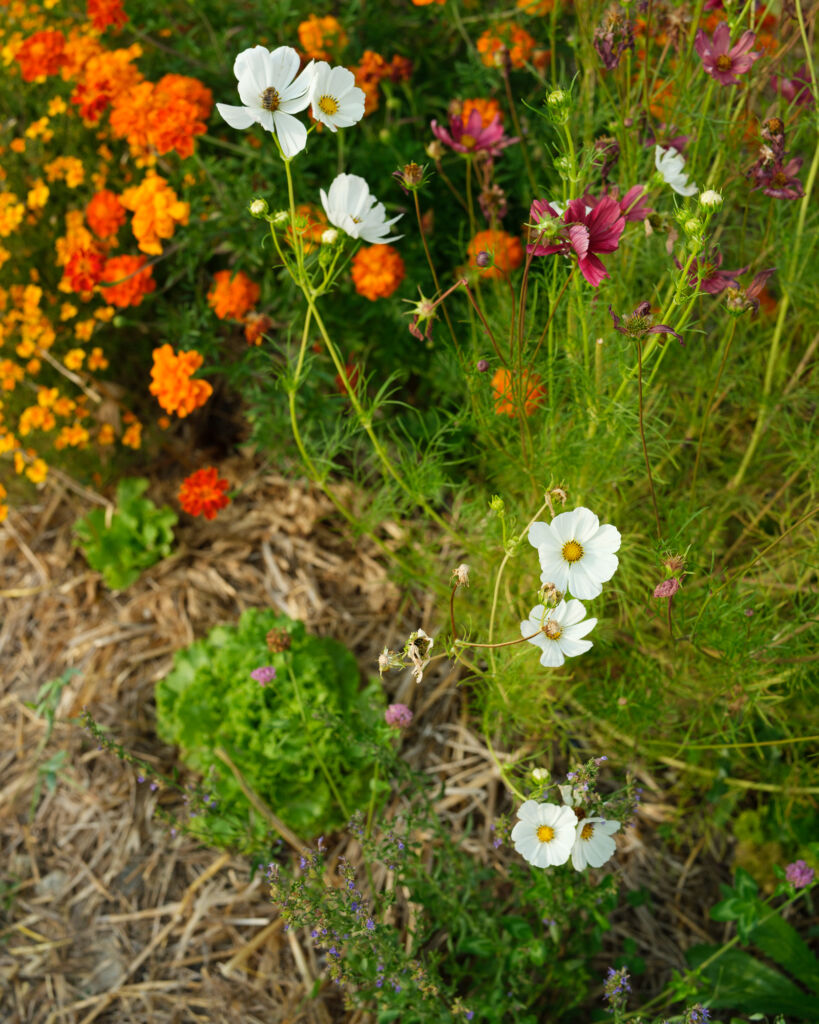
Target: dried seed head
{"points": [[279, 640]]}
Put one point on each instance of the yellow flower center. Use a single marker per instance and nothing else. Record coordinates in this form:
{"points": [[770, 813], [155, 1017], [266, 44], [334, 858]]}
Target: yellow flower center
{"points": [[328, 105], [572, 551], [587, 832], [270, 99], [468, 141], [545, 834], [724, 63]]}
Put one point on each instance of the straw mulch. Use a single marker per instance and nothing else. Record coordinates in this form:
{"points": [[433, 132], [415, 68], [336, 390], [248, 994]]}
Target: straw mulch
{"points": [[104, 916]]}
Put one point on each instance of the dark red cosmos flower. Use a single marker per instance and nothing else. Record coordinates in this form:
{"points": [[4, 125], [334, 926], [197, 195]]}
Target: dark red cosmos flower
{"points": [[707, 272], [472, 136], [720, 62], [638, 323], [739, 300], [796, 89], [584, 231], [631, 205], [778, 180], [203, 493]]}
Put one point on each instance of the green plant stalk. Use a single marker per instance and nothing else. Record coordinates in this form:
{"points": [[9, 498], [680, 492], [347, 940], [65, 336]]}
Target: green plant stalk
{"points": [[643, 437], [710, 404]]}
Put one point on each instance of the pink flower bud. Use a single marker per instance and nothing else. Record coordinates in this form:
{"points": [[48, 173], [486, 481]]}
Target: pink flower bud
{"points": [[398, 716], [668, 588]]}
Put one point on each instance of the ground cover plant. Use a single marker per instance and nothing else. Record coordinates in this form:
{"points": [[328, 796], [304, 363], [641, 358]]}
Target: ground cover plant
{"points": [[528, 293]]}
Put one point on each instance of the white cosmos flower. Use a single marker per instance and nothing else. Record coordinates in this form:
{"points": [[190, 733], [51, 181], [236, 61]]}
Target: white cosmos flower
{"points": [[350, 206], [670, 164], [545, 833], [335, 98], [593, 845], [576, 552], [272, 91], [558, 631]]}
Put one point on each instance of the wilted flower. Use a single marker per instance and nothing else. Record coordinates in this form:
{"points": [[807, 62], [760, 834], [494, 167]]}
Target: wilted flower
{"points": [[797, 88], [612, 36], [707, 271], [668, 588], [720, 62], [638, 323], [778, 180], [410, 177], [460, 576], [738, 300]]}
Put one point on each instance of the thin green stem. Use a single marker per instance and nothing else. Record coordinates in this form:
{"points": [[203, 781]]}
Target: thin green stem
{"points": [[710, 404], [643, 437]]}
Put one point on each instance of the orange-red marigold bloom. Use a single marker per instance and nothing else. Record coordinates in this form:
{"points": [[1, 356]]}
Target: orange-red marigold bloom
{"points": [[84, 269], [256, 325], [509, 36], [102, 13], [105, 214], [129, 280], [377, 271], [171, 381], [322, 38], [203, 493], [231, 297], [505, 249], [41, 54], [505, 398]]}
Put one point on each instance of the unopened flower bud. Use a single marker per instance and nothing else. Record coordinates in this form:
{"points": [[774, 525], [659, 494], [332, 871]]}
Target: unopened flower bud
{"points": [[482, 366], [483, 259], [329, 236], [557, 98], [435, 150], [258, 208], [497, 504], [541, 774], [562, 166], [692, 226], [710, 199], [668, 588], [281, 218], [558, 103]]}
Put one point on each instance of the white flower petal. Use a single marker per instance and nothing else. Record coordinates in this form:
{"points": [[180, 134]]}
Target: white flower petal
{"points": [[236, 117], [564, 526], [340, 81], [600, 566], [539, 533], [552, 656], [251, 66], [527, 812], [556, 572], [579, 629], [571, 648], [586, 524], [568, 613], [282, 67], [291, 132], [581, 583], [607, 540]]}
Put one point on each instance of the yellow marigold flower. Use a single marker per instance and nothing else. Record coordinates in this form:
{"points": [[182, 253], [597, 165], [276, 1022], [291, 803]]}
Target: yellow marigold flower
{"points": [[97, 361], [8, 442], [17, 145], [106, 435], [74, 358], [75, 436], [11, 213], [189, 180], [157, 210], [33, 367], [35, 417], [39, 128], [104, 314], [26, 348], [64, 406], [10, 374], [67, 311], [4, 255], [46, 397], [322, 38], [83, 329], [19, 462], [377, 271], [132, 438], [56, 105], [37, 471], [38, 195]]}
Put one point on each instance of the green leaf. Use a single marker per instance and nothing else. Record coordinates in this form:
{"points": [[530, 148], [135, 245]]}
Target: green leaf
{"points": [[782, 943]]}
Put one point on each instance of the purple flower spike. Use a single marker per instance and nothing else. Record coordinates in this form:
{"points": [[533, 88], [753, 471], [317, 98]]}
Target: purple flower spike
{"points": [[720, 62]]}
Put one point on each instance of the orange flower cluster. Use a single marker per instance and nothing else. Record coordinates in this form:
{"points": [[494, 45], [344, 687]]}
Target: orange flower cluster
{"points": [[126, 280], [171, 381], [203, 493], [157, 210], [231, 297], [322, 38], [105, 214], [105, 13], [372, 69], [102, 76], [311, 222], [83, 269], [377, 271], [535, 6], [11, 213], [488, 109], [162, 117], [506, 251], [507, 36], [41, 55], [531, 392], [426, 3]]}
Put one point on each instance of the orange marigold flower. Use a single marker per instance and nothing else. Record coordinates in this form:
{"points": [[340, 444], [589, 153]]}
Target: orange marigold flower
{"points": [[157, 210], [83, 269], [377, 271], [105, 435], [535, 6], [203, 493], [37, 471], [132, 438], [322, 38], [164, 116], [311, 222], [505, 37], [74, 358], [256, 324], [102, 13], [38, 195], [41, 55], [105, 76], [105, 214], [12, 212], [75, 436], [231, 297], [505, 249], [97, 361], [56, 105], [126, 280], [506, 398], [488, 109], [83, 329], [371, 69], [172, 384]]}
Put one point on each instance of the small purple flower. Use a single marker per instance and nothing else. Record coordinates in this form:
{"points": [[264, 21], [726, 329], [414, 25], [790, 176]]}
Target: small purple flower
{"points": [[398, 716], [720, 62], [799, 874], [668, 588], [370, 924], [140, 778], [263, 675], [697, 1014]]}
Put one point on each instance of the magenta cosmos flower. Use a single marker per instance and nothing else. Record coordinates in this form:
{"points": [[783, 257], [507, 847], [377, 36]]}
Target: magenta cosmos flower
{"points": [[631, 205], [585, 231], [472, 136], [708, 270], [720, 62]]}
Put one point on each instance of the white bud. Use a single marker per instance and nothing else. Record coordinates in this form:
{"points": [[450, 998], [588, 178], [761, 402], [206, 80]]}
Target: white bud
{"points": [[541, 774], [710, 199], [329, 236], [258, 208]]}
